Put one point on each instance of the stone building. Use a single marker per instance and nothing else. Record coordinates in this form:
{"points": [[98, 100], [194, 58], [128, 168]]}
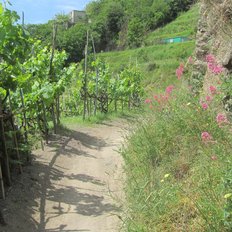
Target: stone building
{"points": [[77, 16]]}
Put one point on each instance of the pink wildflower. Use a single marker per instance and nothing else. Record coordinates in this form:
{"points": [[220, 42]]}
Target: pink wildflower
{"points": [[213, 89], [169, 89], [213, 66], [221, 119], [217, 69], [179, 71], [208, 98], [210, 58], [150, 106], [163, 97], [156, 97], [148, 101], [204, 105], [205, 136]]}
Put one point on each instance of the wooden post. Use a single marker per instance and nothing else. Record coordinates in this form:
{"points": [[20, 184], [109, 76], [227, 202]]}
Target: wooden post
{"points": [[51, 74], [85, 75], [97, 76], [45, 122], [24, 119], [1, 183], [58, 109], [15, 136], [1, 177], [24, 116], [4, 148]]}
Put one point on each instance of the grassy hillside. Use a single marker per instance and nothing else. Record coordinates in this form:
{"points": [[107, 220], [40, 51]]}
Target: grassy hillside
{"points": [[159, 61], [184, 25]]}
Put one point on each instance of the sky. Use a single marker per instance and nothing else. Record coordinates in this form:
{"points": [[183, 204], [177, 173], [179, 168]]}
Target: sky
{"points": [[40, 11]]}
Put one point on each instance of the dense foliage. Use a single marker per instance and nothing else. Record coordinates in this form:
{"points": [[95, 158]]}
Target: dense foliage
{"points": [[124, 23], [32, 76], [114, 24], [33, 84]]}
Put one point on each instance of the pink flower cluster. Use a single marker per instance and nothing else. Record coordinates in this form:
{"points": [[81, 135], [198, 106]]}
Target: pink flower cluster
{"points": [[161, 98], [206, 137], [213, 66], [169, 89], [208, 98], [204, 105], [148, 101], [213, 89], [180, 71], [221, 119]]}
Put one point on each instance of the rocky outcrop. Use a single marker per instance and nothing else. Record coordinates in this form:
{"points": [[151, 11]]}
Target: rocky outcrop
{"points": [[214, 36]]}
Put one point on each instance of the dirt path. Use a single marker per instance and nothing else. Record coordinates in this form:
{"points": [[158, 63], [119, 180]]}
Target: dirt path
{"points": [[74, 185]]}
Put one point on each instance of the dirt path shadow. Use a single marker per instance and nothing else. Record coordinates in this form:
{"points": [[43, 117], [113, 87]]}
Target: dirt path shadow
{"points": [[73, 185]]}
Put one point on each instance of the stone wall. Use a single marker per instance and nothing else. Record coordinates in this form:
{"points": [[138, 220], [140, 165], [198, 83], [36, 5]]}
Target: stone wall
{"points": [[214, 36]]}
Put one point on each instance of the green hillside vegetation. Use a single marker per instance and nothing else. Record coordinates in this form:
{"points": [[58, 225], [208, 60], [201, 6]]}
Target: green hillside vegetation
{"points": [[178, 157], [114, 24], [156, 63], [159, 61], [184, 25]]}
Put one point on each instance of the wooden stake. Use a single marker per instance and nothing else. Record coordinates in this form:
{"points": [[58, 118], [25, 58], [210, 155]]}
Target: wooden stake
{"points": [[85, 80], [15, 136], [2, 183], [45, 122], [25, 124], [52, 75], [97, 77], [4, 148]]}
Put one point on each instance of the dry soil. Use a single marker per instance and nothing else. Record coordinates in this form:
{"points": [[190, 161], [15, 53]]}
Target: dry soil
{"points": [[74, 185]]}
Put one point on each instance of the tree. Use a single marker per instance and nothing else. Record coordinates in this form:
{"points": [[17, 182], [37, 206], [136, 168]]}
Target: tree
{"points": [[136, 32], [73, 41]]}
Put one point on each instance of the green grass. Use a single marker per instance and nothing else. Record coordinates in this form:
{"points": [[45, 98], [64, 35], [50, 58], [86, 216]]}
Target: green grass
{"points": [[157, 63], [99, 118], [177, 182]]}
